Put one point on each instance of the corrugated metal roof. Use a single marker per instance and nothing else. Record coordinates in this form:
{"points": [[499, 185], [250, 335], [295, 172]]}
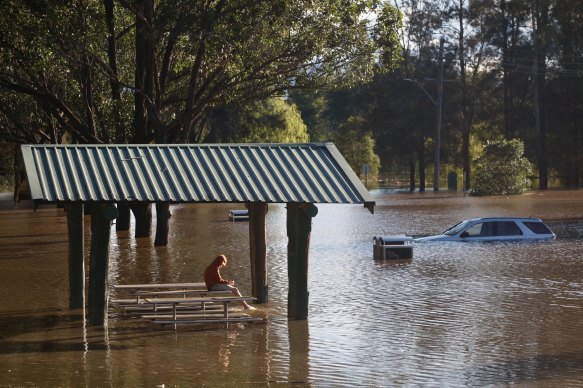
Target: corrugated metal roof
{"points": [[270, 173]]}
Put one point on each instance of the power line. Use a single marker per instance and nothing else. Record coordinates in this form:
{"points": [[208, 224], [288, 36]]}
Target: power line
{"points": [[550, 70]]}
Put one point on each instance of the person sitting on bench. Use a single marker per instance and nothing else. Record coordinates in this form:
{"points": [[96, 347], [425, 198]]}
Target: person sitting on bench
{"points": [[215, 282]]}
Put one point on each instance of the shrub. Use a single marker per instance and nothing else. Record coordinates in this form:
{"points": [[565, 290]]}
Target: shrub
{"points": [[6, 183], [502, 169]]}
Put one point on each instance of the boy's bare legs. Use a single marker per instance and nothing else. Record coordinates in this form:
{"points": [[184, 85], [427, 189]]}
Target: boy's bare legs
{"points": [[235, 292]]}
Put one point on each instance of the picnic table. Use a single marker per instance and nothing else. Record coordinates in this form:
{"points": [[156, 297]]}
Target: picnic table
{"points": [[195, 303], [175, 318]]}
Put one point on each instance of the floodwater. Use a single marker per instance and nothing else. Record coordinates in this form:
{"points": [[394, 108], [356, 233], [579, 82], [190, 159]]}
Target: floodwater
{"points": [[456, 315]]}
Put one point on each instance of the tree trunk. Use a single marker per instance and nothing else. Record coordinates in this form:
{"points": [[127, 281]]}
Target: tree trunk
{"points": [[539, 27], [412, 174], [422, 166], [465, 108], [505, 67], [120, 132], [144, 75]]}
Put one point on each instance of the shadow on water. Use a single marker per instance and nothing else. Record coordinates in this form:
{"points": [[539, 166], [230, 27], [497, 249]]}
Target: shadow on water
{"points": [[65, 333], [555, 367]]}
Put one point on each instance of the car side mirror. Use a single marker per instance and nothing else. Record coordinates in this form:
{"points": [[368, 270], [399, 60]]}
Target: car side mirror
{"points": [[464, 235]]}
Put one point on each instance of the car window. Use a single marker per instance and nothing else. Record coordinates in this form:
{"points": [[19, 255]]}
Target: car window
{"points": [[455, 229], [537, 227], [507, 228], [481, 229]]}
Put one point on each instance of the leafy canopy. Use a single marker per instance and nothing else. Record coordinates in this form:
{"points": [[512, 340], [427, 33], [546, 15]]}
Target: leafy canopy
{"points": [[502, 169], [175, 61]]}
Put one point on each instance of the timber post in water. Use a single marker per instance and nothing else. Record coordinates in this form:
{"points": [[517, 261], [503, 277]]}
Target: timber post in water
{"points": [[102, 216], [76, 231], [257, 213], [299, 228]]}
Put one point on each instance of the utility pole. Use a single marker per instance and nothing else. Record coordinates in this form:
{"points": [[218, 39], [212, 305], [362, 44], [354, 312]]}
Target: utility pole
{"points": [[438, 119], [438, 102]]}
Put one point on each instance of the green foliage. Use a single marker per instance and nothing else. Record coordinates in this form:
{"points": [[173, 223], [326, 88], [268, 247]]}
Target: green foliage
{"points": [[6, 167], [357, 145], [314, 108], [389, 22], [6, 183], [55, 68], [502, 169], [270, 121], [174, 62]]}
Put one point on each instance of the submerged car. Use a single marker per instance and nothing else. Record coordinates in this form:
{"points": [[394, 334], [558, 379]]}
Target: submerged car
{"points": [[495, 229]]}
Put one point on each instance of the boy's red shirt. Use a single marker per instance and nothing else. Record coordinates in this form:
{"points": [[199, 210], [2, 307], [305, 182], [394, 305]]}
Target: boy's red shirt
{"points": [[212, 276]]}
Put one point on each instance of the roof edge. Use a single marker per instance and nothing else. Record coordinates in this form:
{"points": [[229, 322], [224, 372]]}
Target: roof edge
{"points": [[34, 186], [351, 175]]}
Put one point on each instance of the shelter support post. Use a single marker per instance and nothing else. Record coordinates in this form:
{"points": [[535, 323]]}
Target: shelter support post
{"points": [[143, 215], [257, 213], [102, 216], [299, 227], [162, 219], [76, 231], [122, 223]]}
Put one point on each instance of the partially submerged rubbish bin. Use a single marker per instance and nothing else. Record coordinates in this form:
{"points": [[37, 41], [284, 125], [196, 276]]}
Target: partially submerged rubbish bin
{"points": [[392, 247]]}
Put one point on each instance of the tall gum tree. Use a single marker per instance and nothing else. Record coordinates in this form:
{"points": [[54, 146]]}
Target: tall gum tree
{"points": [[217, 52], [153, 69]]}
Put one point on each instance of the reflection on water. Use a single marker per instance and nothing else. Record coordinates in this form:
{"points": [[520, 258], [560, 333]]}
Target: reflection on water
{"points": [[457, 314]]}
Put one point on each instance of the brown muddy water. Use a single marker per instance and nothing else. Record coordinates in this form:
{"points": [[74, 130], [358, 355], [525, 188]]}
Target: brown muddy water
{"points": [[456, 315]]}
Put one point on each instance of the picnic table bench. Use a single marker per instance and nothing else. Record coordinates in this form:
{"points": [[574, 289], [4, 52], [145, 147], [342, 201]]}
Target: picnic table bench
{"points": [[159, 286], [144, 308], [145, 293], [176, 318], [139, 290]]}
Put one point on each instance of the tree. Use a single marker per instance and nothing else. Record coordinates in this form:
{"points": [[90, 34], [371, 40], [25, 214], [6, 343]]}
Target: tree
{"points": [[51, 55], [274, 120], [502, 169], [235, 51], [565, 95], [419, 56], [79, 63], [357, 145], [313, 107]]}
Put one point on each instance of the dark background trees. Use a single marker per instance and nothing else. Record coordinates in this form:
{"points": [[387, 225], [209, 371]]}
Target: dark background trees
{"points": [[183, 71], [511, 68]]}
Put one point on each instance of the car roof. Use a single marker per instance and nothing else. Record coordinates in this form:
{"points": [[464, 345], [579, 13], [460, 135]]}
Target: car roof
{"points": [[505, 219]]}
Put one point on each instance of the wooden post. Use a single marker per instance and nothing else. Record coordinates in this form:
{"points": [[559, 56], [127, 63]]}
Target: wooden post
{"points": [[162, 219], [76, 231], [143, 215], [299, 227], [122, 222], [102, 216], [257, 213]]}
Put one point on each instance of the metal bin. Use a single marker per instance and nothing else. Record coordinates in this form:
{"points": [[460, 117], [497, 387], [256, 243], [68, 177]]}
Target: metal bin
{"points": [[392, 247], [238, 215]]}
